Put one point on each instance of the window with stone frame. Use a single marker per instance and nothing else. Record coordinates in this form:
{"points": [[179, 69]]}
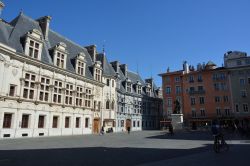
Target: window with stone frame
{"points": [[34, 48], [192, 100], [129, 86], [113, 83], [55, 122], [25, 121], [67, 122], [97, 74], [58, 91], [148, 91], [29, 86], [41, 120], [226, 99], [139, 90], [113, 105], [12, 90], [202, 100], [44, 90], [193, 113], [79, 96], [99, 106], [107, 105], [60, 59], [78, 122], [69, 94], [86, 122], [245, 107], [7, 120], [88, 95], [80, 67]]}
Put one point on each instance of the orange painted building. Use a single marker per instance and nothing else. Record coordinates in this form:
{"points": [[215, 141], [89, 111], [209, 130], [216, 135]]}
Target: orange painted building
{"points": [[203, 94]]}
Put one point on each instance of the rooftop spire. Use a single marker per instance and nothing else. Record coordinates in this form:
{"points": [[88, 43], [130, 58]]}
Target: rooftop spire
{"points": [[1, 7]]}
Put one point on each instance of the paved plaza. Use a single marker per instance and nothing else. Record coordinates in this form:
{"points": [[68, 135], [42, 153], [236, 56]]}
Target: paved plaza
{"points": [[137, 148]]}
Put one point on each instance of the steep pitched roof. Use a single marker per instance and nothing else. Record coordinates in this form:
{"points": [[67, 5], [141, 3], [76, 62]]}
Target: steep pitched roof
{"points": [[107, 68], [12, 34]]}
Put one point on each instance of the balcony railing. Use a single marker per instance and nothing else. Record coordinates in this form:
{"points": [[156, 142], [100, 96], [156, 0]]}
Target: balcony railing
{"points": [[193, 92]]}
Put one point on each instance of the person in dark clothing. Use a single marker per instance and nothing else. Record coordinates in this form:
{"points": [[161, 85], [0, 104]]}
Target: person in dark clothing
{"points": [[128, 128]]}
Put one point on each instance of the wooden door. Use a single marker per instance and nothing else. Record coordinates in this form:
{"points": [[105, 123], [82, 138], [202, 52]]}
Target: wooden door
{"points": [[96, 126], [128, 123]]}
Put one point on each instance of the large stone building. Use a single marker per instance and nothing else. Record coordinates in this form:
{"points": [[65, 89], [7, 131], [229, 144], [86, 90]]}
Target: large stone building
{"points": [[209, 92], [52, 86], [238, 65]]}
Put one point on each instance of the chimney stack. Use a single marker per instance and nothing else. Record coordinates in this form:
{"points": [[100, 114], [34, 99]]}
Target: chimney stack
{"points": [[44, 24], [124, 69], [115, 65], [92, 52]]}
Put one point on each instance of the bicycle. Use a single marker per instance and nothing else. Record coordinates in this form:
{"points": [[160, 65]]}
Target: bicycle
{"points": [[220, 144]]}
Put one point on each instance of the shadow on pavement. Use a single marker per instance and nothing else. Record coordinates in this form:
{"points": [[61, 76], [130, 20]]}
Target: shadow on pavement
{"points": [[91, 156], [194, 135]]}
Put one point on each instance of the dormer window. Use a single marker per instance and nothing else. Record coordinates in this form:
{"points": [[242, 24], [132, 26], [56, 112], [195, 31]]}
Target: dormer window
{"points": [[148, 91], [139, 89], [80, 64], [33, 44], [97, 71], [60, 55], [129, 86]]}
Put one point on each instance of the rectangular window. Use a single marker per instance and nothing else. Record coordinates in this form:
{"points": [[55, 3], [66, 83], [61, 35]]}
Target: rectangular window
{"points": [[243, 93], [25, 121], [202, 112], [192, 101], [193, 113], [12, 90], [41, 120], [107, 82], [79, 96], [69, 94], [168, 79], [168, 90], [44, 89], [7, 120], [80, 67], [33, 49], [122, 123], [129, 87], [67, 121], [199, 78], [245, 107], [139, 89], [86, 122], [227, 112], [225, 99], [218, 112], [200, 88], [113, 83], [55, 122], [133, 123], [97, 74], [178, 89], [60, 59], [77, 122], [138, 123], [237, 108], [202, 100], [191, 78], [29, 86], [58, 91], [248, 80], [177, 79], [242, 81], [88, 98], [217, 99]]}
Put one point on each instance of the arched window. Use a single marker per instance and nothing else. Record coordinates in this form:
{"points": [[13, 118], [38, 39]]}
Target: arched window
{"points": [[113, 105], [107, 105]]}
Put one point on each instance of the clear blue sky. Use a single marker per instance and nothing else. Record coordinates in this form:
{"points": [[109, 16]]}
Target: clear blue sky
{"points": [[154, 34]]}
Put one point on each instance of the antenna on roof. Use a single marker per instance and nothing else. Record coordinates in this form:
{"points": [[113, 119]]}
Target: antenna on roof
{"points": [[137, 68], [103, 47]]}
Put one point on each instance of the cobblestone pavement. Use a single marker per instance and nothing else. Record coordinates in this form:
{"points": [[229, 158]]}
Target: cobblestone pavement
{"points": [[138, 148]]}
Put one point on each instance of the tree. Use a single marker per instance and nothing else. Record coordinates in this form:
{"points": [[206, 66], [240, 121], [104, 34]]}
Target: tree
{"points": [[177, 107]]}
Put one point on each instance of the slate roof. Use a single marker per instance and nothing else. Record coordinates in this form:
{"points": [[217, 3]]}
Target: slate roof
{"points": [[12, 35], [107, 68]]}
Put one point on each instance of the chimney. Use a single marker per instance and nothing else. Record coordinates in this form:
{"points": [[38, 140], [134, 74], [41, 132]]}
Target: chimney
{"points": [[1, 7], [115, 65], [44, 24], [185, 67], [124, 69], [92, 52]]}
